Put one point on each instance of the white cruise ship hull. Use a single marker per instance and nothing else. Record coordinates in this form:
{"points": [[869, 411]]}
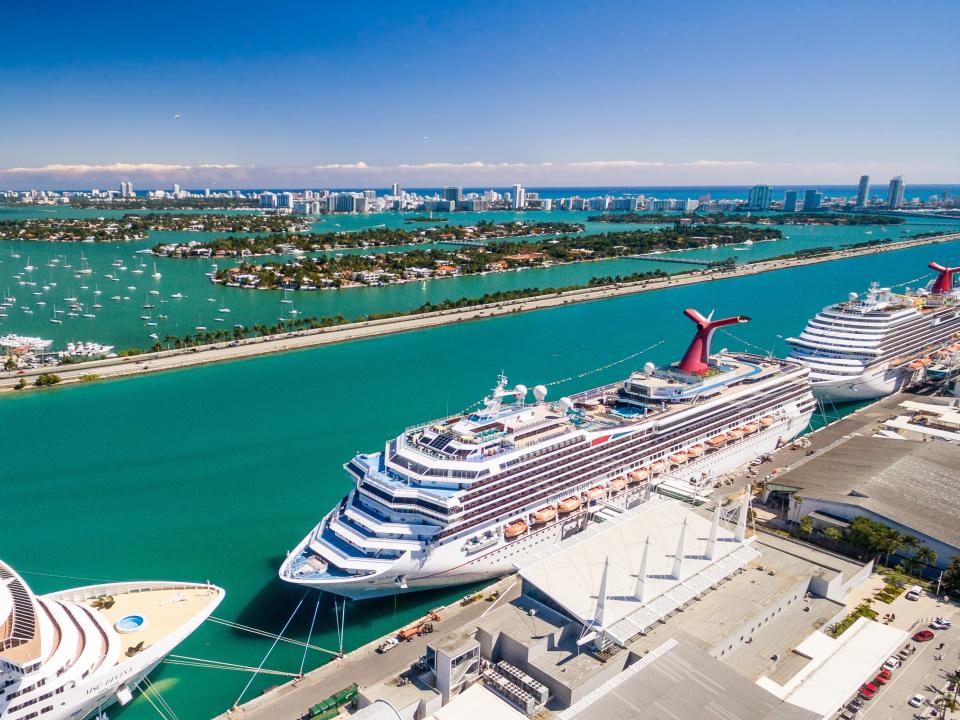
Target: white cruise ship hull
{"points": [[873, 383], [446, 564]]}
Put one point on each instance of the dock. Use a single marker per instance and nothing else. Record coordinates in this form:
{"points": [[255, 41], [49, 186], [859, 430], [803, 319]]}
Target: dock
{"points": [[365, 666]]}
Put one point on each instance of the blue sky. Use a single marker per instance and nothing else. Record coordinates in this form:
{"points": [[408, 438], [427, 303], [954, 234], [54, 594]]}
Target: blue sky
{"points": [[478, 93]]}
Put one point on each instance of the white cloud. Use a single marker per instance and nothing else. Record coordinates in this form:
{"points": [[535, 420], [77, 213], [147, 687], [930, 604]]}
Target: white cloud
{"points": [[344, 166], [80, 169]]}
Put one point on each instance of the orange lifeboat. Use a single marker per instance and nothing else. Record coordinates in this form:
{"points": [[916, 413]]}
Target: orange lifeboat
{"points": [[750, 427], [679, 458], [695, 451], [594, 493], [766, 420], [658, 467], [717, 440], [545, 514], [638, 475], [569, 505], [617, 484], [735, 434], [516, 528], [916, 365]]}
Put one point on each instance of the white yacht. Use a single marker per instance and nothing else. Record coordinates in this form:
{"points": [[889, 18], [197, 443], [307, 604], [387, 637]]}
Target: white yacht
{"points": [[464, 498], [871, 346], [68, 655]]}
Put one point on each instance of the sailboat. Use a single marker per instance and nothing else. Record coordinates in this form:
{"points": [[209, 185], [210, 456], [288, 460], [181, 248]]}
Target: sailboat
{"points": [[54, 319], [156, 274]]}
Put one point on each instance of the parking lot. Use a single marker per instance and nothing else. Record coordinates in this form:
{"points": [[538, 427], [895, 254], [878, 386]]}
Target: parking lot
{"points": [[922, 673]]}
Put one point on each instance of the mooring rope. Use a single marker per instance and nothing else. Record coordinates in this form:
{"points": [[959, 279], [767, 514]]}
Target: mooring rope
{"points": [[262, 662], [264, 633]]}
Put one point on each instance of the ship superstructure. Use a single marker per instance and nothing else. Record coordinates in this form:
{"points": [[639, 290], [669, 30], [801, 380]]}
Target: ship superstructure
{"points": [[863, 348], [68, 655], [463, 498]]}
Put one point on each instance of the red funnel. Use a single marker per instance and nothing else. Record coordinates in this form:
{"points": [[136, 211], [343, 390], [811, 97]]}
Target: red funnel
{"points": [[944, 282], [697, 355]]}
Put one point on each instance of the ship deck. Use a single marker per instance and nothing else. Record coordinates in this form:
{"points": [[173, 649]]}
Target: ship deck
{"points": [[165, 610]]}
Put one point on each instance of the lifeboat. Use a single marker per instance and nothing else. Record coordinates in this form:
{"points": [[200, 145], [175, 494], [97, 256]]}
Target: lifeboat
{"points": [[545, 514], [915, 365], [696, 451], [658, 467], [617, 484], [516, 528], [638, 475], [569, 505], [594, 493], [750, 427], [766, 420], [717, 440], [679, 458], [735, 434]]}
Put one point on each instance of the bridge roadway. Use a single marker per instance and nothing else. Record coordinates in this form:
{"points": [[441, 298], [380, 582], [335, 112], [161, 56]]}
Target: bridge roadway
{"points": [[365, 666]]}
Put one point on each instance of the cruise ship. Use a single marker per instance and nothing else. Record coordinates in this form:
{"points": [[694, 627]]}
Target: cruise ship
{"points": [[464, 498], [69, 655], [863, 348]]}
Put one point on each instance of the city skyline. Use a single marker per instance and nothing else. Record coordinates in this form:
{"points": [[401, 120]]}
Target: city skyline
{"points": [[476, 95]]}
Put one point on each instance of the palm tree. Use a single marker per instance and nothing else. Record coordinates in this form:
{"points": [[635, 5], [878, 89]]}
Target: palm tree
{"points": [[947, 702], [891, 542], [927, 556], [798, 503]]}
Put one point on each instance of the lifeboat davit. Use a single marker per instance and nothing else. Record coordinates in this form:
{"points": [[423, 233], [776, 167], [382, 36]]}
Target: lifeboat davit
{"points": [[516, 528], [638, 475], [617, 484], [545, 514], [679, 458], [735, 434], [696, 450], [594, 493], [750, 427], [717, 440], [569, 505], [658, 467], [766, 420]]}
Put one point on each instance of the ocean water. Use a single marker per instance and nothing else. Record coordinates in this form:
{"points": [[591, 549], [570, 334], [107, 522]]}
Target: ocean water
{"points": [[120, 322], [213, 473]]}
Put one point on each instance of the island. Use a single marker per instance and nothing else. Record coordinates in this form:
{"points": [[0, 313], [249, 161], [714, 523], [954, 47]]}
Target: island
{"points": [[777, 218], [482, 232], [355, 270], [136, 227]]}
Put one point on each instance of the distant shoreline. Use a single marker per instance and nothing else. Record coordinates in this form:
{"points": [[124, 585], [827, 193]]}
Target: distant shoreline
{"points": [[304, 339]]}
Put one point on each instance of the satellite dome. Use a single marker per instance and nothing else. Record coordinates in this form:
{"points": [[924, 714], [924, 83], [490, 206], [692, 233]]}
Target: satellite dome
{"points": [[649, 367], [565, 403], [852, 296], [540, 392], [520, 391]]}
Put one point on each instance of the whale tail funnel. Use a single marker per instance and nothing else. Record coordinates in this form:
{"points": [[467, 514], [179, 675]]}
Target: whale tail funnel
{"points": [[696, 358]]}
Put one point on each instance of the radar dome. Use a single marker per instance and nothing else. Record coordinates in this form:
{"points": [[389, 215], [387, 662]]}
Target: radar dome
{"points": [[520, 391], [852, 296], [565, 404], [649, 367], [540, 392]]}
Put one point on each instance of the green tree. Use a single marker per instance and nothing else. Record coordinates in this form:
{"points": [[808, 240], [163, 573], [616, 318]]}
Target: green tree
{"points": [[806, 525], [951, 578], [926, 556], [834, 534], [47, 379]]}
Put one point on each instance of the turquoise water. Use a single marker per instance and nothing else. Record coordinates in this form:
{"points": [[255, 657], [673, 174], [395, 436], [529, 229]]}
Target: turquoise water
{"points": [[120, 323], [215, 472]]}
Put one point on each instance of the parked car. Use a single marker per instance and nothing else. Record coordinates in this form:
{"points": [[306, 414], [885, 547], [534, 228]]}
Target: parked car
{"points": [[917, 701], [922, 636], [882, 678], [944, 621], [892, 663], [940, 624], [855, 704], [868, 691]]}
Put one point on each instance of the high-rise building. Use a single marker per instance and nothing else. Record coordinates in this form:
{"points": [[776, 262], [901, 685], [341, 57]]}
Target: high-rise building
{"points": [[760, 197], [395, 190], [176, 190], [811, 200], [268, 200], [790, 201], [126, 189], [863, 191], [519, 196], [452, 193], [895, 192]]}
